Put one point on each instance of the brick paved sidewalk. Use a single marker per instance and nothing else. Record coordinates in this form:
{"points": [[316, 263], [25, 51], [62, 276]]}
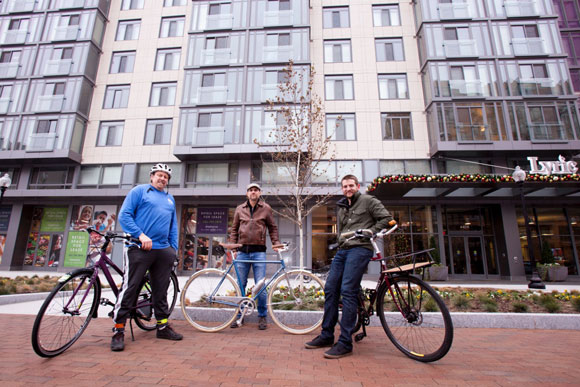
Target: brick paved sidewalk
{"points": [[247, 356]]}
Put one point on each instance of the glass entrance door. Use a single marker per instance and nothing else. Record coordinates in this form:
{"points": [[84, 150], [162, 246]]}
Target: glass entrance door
{"points": [[467, 256]]}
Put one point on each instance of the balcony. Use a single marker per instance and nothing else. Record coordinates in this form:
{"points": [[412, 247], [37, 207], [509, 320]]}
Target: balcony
{"points": [[9, 70], [220, 22], [49, 103], [462, 88], [4, 105], [266, 135], [536, 86], [520, 8], [270, 91], [278, 18], [276, 54], [21, 6], [66, 33], [58, 67], [41, 142], [67, 4], [209, 136], [528, 46], [547, 132], [460, 48], [212, 95], [15, 37], [454, 11], [469, 133], [220, 56]]}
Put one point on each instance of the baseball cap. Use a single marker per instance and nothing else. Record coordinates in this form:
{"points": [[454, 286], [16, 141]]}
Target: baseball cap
{"points": [[253, 185]]}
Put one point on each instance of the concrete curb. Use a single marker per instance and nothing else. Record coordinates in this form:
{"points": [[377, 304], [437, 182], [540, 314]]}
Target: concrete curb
{"points": [[24, 297]]}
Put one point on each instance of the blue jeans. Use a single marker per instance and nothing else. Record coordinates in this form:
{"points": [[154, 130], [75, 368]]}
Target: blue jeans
{"points": [[346, 271], [259, 269]]}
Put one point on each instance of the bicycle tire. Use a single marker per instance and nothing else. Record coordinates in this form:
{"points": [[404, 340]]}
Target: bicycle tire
{"points": [[144, 316], [290, 293], [54, 331], [423, 335], [202, 313]]}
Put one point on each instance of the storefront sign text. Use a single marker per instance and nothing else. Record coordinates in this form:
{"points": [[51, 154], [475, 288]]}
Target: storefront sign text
{"points": [[212, 220], [53, 219], [76, 249], [4, 218], [560, 167]]}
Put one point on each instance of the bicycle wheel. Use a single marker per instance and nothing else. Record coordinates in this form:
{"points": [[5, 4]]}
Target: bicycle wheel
{"points": [[415, 318], [296, 301], [66, 313], [143, 315], [209, 300]]}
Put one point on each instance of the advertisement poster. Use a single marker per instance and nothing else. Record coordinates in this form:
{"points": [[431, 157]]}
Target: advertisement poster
{"points": [[55, 249], [2, 244], [76, 249], [42, 252], [212, 220], [53, 220], [30, 253], [82, 217], [4, 218], [104, 219]]}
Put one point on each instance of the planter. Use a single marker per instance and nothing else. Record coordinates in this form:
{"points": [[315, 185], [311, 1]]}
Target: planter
{"points": [[438, 273], [542, 272], [557, 273]]}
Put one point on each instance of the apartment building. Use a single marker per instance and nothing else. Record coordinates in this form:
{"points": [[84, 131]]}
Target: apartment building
{"points": [[94, 92]]}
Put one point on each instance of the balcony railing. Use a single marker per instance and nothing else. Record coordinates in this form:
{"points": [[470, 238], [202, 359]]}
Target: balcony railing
{"points": [[536, 86], [66, 4], [49, 103], [454, 11], [462, 88], [212, 95], [207, 136], [276, 53], [218, 56], [9, 70], [58, 67], [66, 33], [21, 6], [520, 8], [528, 46], [4, 105], [41, 142], [15, 37], [278, 18], [460, 48], [218, 22], [467, 132], [547, 132]]}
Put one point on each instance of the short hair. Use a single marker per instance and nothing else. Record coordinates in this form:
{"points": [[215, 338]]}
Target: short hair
{"points": [[100, 213], [349, 177]]}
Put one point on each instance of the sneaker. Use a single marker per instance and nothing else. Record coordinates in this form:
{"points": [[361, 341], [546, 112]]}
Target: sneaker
{"points": [[235, 324], [337, 351], [262, 324], [166, 332], [319, 342], [118, 341]]}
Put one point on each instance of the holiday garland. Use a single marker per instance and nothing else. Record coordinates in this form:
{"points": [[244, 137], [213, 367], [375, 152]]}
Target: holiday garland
{"points": [[467, 178]]}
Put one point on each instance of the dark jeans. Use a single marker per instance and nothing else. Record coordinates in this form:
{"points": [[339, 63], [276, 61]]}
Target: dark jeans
{"points": [[159, 262], [346, 271]]}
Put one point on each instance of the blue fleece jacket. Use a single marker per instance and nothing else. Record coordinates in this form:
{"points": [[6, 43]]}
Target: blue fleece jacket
{"points": [[151, 212]]}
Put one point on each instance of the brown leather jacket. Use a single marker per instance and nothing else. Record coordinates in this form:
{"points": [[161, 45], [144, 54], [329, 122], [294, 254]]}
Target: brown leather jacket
{"points": [[251, 230]]}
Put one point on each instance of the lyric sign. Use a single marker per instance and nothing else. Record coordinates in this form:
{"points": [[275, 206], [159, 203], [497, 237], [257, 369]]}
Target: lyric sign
{"points": [[560, 167]]}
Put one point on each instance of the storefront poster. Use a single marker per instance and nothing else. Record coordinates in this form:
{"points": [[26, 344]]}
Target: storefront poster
{"points": [[55, 249], [30, 253], [36, 219], [4, 218], [82, 217], [212, 220], [104, 219], [2, 244], [42, 252], [53, 219], [76, 249]]}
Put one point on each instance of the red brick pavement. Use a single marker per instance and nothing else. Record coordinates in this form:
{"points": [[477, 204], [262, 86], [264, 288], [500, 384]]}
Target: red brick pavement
{"points": [[247, 356]]}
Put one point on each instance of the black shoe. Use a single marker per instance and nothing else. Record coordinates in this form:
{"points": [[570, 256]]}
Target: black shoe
{"points": [[166, 332], [262, 324], [337, 351], [319, 342], [118, 341]]}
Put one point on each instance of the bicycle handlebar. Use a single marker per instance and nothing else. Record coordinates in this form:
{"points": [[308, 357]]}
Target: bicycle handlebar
{"points": [[366, 233], [111, 236]]}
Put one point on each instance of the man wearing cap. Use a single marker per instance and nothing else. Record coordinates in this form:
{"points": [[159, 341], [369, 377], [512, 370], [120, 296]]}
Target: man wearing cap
{"points": [[251, 220]]}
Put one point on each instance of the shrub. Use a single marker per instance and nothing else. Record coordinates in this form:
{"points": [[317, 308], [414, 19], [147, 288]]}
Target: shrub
{"points": [[430, 305], [548, 302], [576, 303], [520, 307], [460, 301]]}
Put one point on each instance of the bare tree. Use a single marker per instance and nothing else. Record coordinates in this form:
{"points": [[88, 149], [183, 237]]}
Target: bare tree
{"points": [[298, 151]]}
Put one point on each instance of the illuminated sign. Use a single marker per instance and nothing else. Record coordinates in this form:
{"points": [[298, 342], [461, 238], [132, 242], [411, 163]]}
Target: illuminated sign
{"points": [[560, 167]]}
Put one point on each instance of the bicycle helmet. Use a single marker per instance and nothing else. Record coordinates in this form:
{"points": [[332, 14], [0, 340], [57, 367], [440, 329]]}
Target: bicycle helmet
{"points": [[160, 167]]}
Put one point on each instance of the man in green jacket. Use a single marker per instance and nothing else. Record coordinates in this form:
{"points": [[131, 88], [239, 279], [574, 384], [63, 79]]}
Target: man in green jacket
{"points": [[355, 212]]}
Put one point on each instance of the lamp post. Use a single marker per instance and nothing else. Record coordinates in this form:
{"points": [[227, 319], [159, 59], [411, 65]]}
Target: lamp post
{"points": [[535, 282], [4, 184]]}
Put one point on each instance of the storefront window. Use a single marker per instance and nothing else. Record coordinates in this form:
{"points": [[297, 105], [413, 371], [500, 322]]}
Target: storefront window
{"points": [[323, 235], [4, 221], [45, 239]]}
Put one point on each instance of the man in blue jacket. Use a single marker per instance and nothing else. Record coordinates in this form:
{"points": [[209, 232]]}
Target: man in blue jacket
{"points": [[148, 213]]}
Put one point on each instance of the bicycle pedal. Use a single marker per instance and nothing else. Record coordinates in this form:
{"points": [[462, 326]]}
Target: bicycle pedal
{"points": [[359, 337], [105, 302]]}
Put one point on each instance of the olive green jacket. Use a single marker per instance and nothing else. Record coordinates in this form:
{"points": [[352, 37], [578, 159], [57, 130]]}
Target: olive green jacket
{"points": [[365, 211]]}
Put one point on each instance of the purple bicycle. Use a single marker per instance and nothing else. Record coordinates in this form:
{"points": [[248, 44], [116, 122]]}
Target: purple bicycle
{"points": [[75, 300]]}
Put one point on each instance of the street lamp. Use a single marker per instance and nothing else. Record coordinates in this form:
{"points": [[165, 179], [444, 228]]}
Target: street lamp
{"points": [[535, 282], [4, 184]]}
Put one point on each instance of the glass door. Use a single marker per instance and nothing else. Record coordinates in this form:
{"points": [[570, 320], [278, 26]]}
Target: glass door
{"points": [[468, 257]]}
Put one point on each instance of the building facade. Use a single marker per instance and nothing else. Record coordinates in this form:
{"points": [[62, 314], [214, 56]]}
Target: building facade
{"points": [[94, 92]]}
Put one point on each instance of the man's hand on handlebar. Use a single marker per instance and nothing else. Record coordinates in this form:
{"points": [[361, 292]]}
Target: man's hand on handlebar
{"points": [[146, 242]]}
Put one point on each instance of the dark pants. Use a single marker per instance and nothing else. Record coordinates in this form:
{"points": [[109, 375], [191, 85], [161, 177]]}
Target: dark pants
{"points": [[159, 263], [346, 271]]}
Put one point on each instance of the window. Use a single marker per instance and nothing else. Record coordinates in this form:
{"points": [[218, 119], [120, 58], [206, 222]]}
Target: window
{"points": [[337, 51], [171, 27], [389, 49], [158, 132], [18, 25], [525, 32], [56, 88], [341, 127], [396, 126], [128, 30], [95, 176], [219, 9], [168, 59], [386, 15], [5, 92], [211, 80], [110, 133], [331, 173], [132, 4], [116, 97], [163, 94], [10, 57], [51, 178], [174, 3], [277, 40], [122, 62], [212, 174], [278, 5], [339, 87], [63, 53], [335, 17], [143, 176], [400, 167], [209, 120], [70, 20], [46, 126], [393, 86], [216, 42]]}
